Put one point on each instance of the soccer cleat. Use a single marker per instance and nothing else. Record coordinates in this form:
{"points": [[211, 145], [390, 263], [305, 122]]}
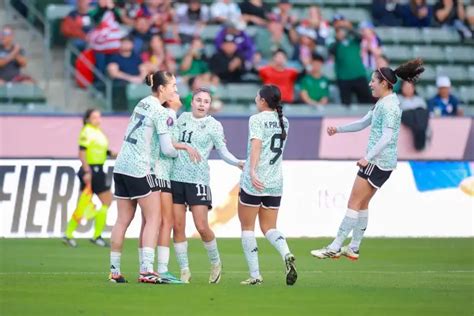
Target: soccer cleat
{"points": [[168, 278], [117, 278], [185, 275], [216, 271], [352, 254], [291, 274], [99, 241], [69, 242], [325, 253], [253, 281], [149, 277]]}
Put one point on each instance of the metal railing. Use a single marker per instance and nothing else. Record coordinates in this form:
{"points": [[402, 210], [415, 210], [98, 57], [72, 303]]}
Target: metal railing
{"points": [[70, 72]]}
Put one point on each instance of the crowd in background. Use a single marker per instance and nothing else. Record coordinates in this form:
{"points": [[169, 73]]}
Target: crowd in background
{"points": [[128, 39]]}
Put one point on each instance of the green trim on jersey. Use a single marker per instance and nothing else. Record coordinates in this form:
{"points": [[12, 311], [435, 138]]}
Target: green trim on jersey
{"points": [[203, 135], [265, 126], [96, 144]]}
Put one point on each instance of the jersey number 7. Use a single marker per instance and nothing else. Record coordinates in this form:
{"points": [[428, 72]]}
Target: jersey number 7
{"points": [[140, 118], [278, 150]]}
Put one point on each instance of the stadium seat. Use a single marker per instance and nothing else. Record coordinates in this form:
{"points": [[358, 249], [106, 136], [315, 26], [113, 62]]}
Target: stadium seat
{"points": [[54, 14], [136, 92], [240, 92], [407, 34], [471, 72], [386, 35], [430, 53], [176, 50], [455, 73], [440, 35], [328, 71], [327, 13], [429, 74], [460, 54], [397, 52], [466, 93], [209, 33], [355, 15], [21, 93]]}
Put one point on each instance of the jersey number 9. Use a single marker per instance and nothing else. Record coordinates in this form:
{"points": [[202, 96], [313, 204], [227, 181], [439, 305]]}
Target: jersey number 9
{"points": [[278, 150]]}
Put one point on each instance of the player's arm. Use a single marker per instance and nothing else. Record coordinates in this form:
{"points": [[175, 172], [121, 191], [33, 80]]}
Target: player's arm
{"points": [[166, 145], [351, 127], [218, 138], [387, 134], [255, 150], [228, 157], [193, 153]]}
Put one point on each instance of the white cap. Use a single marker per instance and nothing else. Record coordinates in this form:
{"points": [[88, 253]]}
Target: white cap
{"points": [[443, 82]]}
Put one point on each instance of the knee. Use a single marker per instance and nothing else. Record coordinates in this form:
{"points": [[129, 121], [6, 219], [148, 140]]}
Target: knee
{"points": [[202, 228], [354, 204], [178, 227]]}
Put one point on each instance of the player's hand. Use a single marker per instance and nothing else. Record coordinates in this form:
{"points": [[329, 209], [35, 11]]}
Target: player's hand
{"points": [[193, 154], [256, 182], [331, 130], [87, 178], [362, 163], [241, 165]]}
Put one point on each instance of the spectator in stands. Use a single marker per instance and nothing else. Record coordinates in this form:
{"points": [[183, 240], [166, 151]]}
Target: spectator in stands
{"points": [[306, 45], [371, 47], [452, 13], [234, 31], [415, 114], [12, 58], [280, 75], [272, 38], [105, 7], [225, 10], [77, 24], [126, 66], [195, 62], [157, 57], [314, 85], [318, 24], [350, 71], [141, 34], [191, 18], [416, 13], [254, 12], [444, 103], [226, 63], [287, 18], [160, 15], [383, 13]]}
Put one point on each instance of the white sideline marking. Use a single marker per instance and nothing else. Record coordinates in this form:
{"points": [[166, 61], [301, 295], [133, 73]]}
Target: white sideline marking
{"points": [[244, 272]]}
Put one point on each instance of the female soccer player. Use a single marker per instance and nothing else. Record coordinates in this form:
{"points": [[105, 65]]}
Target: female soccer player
{"points": [[261, 184], [93, 151], [190, 181], [380, 159], [147, 135]]}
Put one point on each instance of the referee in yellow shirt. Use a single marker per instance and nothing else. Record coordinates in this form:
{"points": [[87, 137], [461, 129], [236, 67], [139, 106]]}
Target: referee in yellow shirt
{"points": [[93, 152]]}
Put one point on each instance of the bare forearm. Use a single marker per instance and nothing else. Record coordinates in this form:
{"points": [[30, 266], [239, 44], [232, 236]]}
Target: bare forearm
{"points": [[82, 158]]}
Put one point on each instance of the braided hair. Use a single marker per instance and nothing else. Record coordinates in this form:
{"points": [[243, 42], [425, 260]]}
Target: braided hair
{"points": [[272, 95], [409, 71]]}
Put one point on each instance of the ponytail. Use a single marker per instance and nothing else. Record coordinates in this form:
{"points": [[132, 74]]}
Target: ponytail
{"points": [[279, 110], [409, 71]]}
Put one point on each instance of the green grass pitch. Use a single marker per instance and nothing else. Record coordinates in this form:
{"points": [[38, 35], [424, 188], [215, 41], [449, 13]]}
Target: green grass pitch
{"points": [[393, 277]]}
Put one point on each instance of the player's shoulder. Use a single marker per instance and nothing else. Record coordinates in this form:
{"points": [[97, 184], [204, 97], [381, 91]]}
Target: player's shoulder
{"points": [[150, 105], [213, 123], [392, 103]]}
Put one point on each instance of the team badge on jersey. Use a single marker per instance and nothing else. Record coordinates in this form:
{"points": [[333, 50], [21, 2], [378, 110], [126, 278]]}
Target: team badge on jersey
{"points": [[170, 121]]}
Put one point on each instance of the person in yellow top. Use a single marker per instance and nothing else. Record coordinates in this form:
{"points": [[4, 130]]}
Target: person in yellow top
{"points": [[93, 152]]}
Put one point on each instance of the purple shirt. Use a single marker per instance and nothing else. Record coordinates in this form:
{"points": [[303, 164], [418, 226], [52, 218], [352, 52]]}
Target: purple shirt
{"points": [[245, 45]]}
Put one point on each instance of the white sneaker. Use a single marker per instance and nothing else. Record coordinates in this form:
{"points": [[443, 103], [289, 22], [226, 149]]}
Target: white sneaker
{"points": [[325, 253], [185, 275], [253, 281], [216, 270], [352, 254]]}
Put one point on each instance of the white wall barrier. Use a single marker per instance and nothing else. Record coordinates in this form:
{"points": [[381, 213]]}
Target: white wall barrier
{"points": [[37, 197]]}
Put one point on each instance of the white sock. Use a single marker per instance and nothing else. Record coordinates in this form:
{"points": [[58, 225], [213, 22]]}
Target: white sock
{"points": [[148, 259], [115, 262], [249, 243], [140, 259], [163, 255], [212, 251], [181, 250], [347, 224], [278, 241], [359, 229]]}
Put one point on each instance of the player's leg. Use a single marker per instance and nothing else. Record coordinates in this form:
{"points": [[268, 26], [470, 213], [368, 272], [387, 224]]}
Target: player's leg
{"points": [[150, 206], [140, 244], [361, 190], [200, 213], [105, 198], [267, 216], [247, 216], [164, 236], [180, 242], [126, 211]]}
